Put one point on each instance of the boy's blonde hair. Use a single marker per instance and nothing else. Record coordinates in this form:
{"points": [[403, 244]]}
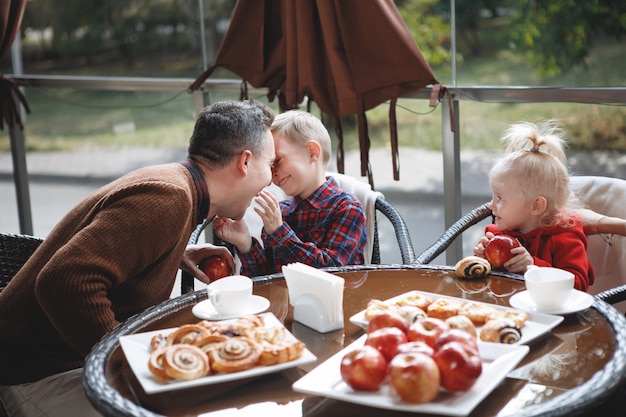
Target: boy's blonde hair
{"points": [[536, 157], [300, 127]]}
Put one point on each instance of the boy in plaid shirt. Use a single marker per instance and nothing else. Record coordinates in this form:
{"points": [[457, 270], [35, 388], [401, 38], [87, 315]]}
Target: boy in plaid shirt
{"points": [[319, 225]]}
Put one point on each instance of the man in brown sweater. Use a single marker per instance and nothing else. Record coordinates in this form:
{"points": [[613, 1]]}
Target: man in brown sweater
{"points": [[118, 252]]}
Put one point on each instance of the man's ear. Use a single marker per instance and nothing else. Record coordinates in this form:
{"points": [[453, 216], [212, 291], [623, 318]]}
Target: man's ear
{"points": [[243, 161], [314, 149], [539, 205]]}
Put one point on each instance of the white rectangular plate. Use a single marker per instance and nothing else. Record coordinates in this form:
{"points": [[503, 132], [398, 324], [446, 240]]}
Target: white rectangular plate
{"points": [[537, 325], [498, 360], [136, 347]]}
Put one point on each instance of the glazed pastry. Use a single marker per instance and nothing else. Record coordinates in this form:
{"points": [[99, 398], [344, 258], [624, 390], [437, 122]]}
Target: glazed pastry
{"points": [[462, 323], [275, 353], [375, 307], [412, 313], [157, 341], [478, 313], [414, 298], [274, 334], [500, 331], [442, 308], [236, 354], [472, 267], [517, 316]]}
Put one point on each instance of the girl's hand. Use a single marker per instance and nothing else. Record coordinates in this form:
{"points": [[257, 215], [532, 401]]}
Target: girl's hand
{"points": [[520, 261], [479, 249]]}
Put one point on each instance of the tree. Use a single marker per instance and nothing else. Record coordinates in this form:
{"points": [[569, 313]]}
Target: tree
{"points": [[558, 34]]}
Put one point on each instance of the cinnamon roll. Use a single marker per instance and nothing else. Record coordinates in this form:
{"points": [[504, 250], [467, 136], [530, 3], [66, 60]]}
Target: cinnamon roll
{"points": [[236, 354], [185, 362], [500, 331], [472, 267], [187, 333]]}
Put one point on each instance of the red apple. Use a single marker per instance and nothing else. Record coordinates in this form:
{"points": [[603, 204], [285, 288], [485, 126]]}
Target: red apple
{"points": [[417, 346], [459, 366], [498, 250], [386, 340], [414, 377], [387, 319], [215, 267], [363, 369], [456, 335], [427, 330]]}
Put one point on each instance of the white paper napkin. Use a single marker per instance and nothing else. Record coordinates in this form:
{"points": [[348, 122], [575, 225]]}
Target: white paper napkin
{"points": [[316, 296]]}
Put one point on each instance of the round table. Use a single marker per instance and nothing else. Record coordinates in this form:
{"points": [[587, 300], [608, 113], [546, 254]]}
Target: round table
{"points": [[576, 366]]}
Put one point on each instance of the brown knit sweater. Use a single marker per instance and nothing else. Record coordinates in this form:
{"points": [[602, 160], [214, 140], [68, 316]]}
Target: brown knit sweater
{"points": [[112, 256]]}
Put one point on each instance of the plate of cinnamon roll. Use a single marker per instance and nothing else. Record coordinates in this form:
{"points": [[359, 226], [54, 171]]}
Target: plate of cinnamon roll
{"points": [[489, 322], [208, 352]]}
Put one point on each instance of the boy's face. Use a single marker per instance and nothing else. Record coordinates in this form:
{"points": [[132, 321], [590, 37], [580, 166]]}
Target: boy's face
{"points": [[295, 169]]}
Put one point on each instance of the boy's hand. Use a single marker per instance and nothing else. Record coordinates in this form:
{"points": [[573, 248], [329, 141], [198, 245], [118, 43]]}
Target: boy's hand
{"points": [[233, 231], [269, 211]]}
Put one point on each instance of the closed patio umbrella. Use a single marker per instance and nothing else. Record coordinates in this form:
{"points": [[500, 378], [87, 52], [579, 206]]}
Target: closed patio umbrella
{"points": [[347, 56]]}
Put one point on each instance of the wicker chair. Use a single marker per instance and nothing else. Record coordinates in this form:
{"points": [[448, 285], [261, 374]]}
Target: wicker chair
{"points": [[374, 203], [607, 196], [15, 249], [476, 215]]}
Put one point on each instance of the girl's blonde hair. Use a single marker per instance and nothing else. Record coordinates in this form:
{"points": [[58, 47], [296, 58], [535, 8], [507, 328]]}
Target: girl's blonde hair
{"points": [[535, 155], [300, 127]]}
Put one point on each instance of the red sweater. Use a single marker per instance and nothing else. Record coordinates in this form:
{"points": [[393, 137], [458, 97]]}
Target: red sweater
{"points": [[112, 256], [559, 247]]}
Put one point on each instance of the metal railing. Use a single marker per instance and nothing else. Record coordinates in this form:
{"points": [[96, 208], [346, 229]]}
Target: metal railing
{"points": [[450, 117]]}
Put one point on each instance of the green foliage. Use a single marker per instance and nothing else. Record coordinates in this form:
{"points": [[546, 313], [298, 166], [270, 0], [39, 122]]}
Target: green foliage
{"points": [[430, 30], [559, 34]]}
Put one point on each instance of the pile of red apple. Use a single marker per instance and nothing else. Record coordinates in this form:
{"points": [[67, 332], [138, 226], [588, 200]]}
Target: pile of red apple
{"points": [[414, 359]]}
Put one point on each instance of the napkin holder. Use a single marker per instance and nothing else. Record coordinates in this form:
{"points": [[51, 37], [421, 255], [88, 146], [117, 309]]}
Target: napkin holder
{"points": [[310, 311], [316, 297]]}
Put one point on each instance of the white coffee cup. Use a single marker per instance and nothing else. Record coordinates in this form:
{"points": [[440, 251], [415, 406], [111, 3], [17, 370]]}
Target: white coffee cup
{"points": [[549, 287], [230, 295]]}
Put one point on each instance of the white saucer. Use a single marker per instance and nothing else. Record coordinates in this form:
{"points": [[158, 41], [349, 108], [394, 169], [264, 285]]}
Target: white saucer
{"points": [[576, 302], [205, 310]]}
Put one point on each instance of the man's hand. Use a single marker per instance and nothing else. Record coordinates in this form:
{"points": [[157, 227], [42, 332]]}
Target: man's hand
{"points": [[195, 253]]}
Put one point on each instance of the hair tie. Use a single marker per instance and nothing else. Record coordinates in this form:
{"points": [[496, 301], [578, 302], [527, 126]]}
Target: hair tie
{"points": [[535, 148]]}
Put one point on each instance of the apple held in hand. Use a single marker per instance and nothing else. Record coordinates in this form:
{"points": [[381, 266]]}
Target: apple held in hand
{"points": [[386, 340], [215, 267], [459, 365], [414, 377], [364, 369], [498, 250], [387, 319]]}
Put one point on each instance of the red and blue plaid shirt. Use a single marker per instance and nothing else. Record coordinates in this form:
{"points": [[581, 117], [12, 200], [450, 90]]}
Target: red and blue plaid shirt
{"points": [[326, 229]]}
